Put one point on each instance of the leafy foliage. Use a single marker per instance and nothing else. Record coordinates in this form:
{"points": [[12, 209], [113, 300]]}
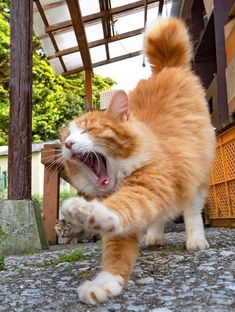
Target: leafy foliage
{"points": [[56, 99]]}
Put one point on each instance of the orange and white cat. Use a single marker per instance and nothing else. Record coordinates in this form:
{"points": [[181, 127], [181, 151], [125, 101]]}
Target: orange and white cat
{"points": [[143, 161]]}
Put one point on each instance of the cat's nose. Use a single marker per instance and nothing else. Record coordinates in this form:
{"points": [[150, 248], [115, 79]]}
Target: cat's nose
{"points": [[69, 144]]}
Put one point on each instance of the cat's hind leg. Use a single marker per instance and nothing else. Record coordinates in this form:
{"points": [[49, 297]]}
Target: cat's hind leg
{"points": [[119, 256], [195, 237], [155, 233]]}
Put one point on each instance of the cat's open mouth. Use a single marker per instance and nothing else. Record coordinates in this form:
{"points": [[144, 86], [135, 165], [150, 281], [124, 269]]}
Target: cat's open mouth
{"points": [[96, 165]]}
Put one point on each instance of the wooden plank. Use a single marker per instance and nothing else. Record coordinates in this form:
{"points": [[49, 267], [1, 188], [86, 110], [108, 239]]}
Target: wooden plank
{"points": [[100, 42], [20, 132], [221, 11], [88, 90], [79, 29], [43, 16], [222, 222], [51, 201], [112, 60]]}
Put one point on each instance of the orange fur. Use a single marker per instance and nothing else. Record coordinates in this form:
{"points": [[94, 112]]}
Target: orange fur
{"points": [[168, 131]]}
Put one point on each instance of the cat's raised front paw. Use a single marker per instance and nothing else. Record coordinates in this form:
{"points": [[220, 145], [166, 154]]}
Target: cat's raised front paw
{"points": [[103, 287], [92, 216], [197, 244]]}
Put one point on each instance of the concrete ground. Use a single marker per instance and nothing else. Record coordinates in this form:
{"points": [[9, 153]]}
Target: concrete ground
{"points": [[165, 279]]}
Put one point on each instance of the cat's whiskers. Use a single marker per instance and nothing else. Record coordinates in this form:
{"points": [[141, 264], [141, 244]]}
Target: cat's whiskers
{"points": [[98, 143]]}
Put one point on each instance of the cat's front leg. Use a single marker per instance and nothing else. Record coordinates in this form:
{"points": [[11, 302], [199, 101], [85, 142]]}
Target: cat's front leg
{"points": [[119, 256], [91, 215]]}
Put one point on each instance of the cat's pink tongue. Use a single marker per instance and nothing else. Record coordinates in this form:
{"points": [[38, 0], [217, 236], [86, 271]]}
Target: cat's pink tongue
{"points": [[103, 181], [102, 174]]}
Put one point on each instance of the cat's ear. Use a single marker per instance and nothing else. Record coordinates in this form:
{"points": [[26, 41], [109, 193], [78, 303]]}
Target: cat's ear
{"points": [[119, 106]]}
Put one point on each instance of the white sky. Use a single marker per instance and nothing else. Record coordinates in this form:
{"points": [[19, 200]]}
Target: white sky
{"points": [[126, 73]]}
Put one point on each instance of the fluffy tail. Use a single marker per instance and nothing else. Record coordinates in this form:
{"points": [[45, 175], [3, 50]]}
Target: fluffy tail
{"points": [[167, 44]]}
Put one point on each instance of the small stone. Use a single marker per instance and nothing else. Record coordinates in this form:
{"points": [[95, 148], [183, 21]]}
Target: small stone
{"points": [[146, 280]]}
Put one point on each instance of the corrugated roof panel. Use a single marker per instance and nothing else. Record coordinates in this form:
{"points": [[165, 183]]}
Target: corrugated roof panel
{"points": [[56, 65], [129, 22], [38, 24], [57, 14], [73, 60], [126, 46], [66, 39], [47, 46], [98, 54], [117, 3], [94, 32], [89, 7]]}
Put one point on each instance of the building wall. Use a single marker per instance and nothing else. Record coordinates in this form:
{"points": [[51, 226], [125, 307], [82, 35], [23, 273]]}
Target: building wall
{"points": [[37, 174]]}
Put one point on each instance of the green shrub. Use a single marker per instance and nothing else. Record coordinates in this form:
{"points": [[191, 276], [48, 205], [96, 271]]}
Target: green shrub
{"points": [[2, 263], [66, 194]]}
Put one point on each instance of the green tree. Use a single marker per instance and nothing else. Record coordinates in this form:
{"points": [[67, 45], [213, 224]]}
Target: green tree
{"points": [[56, 99]]}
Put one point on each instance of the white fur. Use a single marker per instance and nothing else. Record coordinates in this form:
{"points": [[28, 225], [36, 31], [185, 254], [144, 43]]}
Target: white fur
{"points": [[91, 216], [194, 226], [104, 286], [83, 142]]}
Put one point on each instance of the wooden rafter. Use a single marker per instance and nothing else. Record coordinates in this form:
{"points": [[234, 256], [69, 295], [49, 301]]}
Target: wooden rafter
{"points": [[100, 42], [112, 60], [79, 29]]}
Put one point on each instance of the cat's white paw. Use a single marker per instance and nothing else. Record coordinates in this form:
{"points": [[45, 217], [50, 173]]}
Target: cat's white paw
{"points": [[197, 244], [104, 286], [92, 216]]}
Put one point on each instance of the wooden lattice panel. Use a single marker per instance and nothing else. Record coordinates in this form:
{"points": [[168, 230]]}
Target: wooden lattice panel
{"points": [[231, 185], [229, 153], [218, 171], [221, 199], [211, 204]]}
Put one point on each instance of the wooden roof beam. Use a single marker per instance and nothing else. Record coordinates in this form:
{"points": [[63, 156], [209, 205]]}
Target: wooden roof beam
{"points": [[79, 29], [105, 62], [100, 42]]}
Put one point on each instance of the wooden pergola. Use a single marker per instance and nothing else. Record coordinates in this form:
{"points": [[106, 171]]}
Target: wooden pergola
{"points": [[73, 57], [91, 27]]}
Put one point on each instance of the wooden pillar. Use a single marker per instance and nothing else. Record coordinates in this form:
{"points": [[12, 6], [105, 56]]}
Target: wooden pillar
{"points": [[88, 90], [221, 11], [20, 137]]}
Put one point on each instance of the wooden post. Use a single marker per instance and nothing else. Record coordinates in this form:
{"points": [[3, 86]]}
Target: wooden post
{"points": [[51, 189], [20, 137], [221, 12], [88, 89]]}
